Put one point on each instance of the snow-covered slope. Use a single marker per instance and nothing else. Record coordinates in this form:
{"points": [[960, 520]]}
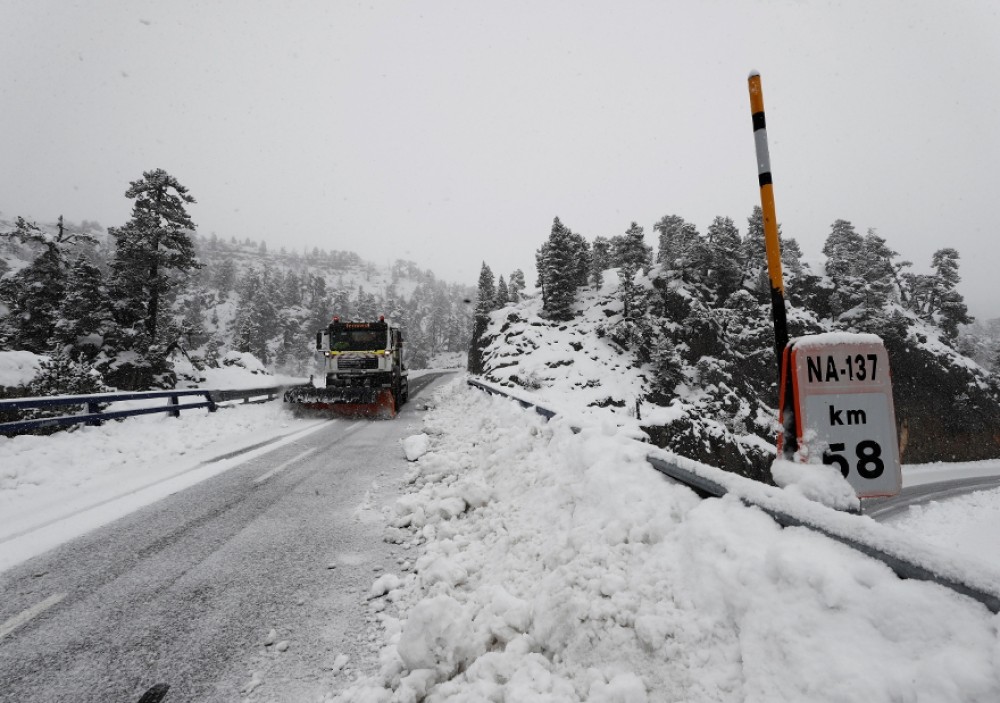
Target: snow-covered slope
{"points": [[571, 364]]}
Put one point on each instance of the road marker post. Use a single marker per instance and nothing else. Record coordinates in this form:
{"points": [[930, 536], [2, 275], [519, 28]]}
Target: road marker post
{"points": [[771, 242], [842, 409]]}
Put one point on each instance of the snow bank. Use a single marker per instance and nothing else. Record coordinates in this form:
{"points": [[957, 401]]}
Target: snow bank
{"points": [[416, 446], [819, 482], [18, 368], [560, 567]]}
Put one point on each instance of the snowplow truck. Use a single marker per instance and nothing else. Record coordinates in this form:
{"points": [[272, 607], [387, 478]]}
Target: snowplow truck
{"points": [[365, 375]]}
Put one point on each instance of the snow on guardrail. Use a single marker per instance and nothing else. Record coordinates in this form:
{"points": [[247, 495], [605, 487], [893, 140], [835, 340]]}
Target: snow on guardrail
{"points": [[95, 414]]}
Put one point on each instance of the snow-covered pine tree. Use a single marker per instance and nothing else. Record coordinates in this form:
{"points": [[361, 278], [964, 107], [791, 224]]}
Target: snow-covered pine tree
{"points": [[61, 374], [580, 249], [724, 242], [877, 273], [600, 260], [341, 305], [945, 305], [515, 285], [256, 322], [154, 250], [85, 324], [154, 254], [34, 294], [291, 289], [503, 295], [365, 305], [223, 276], [559, 271], [485, 297], [844, 249], [631, 254], [681, 248]]}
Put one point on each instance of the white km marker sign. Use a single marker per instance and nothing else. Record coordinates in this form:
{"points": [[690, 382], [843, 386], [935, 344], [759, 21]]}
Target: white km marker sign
{"points": [[844, 414]]}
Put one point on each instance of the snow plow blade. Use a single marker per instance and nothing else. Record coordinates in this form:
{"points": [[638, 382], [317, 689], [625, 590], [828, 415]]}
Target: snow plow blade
{"points": [[374, 403]]}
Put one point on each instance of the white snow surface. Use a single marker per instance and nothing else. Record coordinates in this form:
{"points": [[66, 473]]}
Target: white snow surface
{"points": [[415, 446], [554, 566], [821, 483], [19, 367], [967, 524]]}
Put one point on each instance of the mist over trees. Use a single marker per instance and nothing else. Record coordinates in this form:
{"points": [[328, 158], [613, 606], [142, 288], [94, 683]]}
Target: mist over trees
{"points": [[150, 303]]}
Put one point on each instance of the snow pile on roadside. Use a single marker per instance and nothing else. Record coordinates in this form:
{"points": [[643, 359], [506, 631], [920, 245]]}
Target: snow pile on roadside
{"points": [[415, 446], [819, 482], [18, 368], [560, 567]]}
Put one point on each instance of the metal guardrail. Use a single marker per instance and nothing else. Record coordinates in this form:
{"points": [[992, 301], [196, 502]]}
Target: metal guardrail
{"points": [[706, 487], [544, 412], [94, 415]]}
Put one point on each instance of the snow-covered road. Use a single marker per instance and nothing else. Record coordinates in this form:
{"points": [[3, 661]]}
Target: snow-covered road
{"points": [[254, 579]]}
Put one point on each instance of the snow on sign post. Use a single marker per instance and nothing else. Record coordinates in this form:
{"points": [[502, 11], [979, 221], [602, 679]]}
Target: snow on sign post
{"points": [[841, 401]]}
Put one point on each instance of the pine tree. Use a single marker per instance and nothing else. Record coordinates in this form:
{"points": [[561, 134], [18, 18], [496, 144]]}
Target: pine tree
{"points": [[153, 249], [485, 304], [600, 260], [631, 254], [559, 272], [515, 285], [630, 249], [944, 303], [85, 323], [844, 249], [154, 256], [754, 257], [61, 374], [257, 323], [341, 305], [583, 259], [224, 276], [34, 294], [681, 248], [503, 296], [724, 242], [877, 273], [366, 307]]}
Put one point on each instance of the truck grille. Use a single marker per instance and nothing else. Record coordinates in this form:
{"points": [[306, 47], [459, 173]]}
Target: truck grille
{"points": [[369, 362]]}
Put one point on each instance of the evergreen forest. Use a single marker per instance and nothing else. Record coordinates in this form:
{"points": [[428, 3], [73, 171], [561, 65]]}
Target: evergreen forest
{"points": [[150, 303]]}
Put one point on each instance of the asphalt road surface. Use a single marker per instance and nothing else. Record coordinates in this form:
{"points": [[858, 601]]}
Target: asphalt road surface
{"points": [[186, 592]]}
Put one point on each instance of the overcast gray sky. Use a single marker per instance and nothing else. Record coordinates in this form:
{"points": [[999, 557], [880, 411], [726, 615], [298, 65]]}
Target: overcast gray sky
{"points": [[452, 132]]}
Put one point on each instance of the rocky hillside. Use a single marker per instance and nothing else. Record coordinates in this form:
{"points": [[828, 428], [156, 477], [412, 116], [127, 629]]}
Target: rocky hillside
{"points": [[661, 348]]}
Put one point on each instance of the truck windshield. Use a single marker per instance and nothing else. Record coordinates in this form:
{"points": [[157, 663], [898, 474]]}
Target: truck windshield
{"points": [[357, 340]]}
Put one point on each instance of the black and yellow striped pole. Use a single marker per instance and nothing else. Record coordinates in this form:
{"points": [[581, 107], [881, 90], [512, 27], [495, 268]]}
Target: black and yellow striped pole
{"points": [[771, 242]]}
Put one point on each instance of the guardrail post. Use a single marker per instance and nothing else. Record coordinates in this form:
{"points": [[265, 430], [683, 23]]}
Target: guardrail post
{"points": [[93, 409], [174, 401], [212, 407]]}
